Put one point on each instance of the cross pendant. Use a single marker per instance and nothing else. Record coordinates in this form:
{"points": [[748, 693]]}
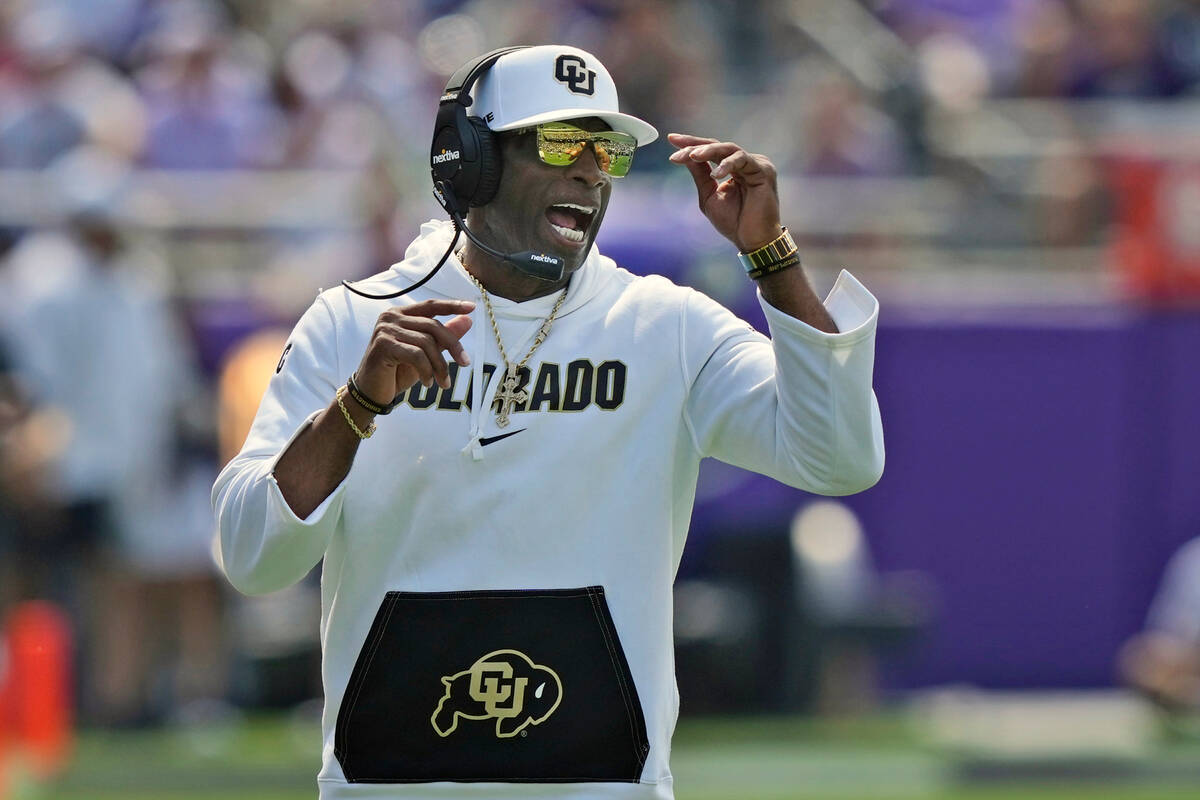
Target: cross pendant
{"points": [[508, 396]]}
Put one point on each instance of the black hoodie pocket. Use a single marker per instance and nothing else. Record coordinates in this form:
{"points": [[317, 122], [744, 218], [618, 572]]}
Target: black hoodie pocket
{"points": [[505, 686]]}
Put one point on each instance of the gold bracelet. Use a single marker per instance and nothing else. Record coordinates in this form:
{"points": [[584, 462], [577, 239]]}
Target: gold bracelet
{"points": [[359, 432]]}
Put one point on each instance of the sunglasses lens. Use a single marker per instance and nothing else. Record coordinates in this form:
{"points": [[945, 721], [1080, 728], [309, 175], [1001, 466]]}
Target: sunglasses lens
{"points": [[560, 144], [559, 148], [615, 152]]}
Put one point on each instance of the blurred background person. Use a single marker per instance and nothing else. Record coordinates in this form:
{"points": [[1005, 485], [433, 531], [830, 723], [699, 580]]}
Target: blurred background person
{"points": [[119, 540], [1164, 660], [1123, 53], [847, 136], [206, 108]]}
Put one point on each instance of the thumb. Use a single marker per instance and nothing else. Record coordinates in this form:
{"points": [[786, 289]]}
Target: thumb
{"points": [[459, 325]]}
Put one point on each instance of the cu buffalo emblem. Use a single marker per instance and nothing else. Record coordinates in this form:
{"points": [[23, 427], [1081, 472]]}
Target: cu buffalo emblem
{"points": [[504, 685]]}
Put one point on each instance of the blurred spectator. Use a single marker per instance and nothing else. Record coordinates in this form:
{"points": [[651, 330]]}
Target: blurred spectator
{"points": [[846, 136], [60, 97], [986, 27], [121, 542], [26, 443], [1164, 661], [36, 124], [954, 72], [1180, 32], [1045, 37], [206, 111], [1066, 193], [1122, 55], [107, 26], [328, 126]]}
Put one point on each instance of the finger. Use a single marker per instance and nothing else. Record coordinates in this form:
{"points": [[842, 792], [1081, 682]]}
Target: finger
{"points": [[737, 162], [442, 339], [686, 139], [436, 308], [752, 170], [404, 347], [459, 327], [686, 143], [443, 336], [431, 351], [407, 358], [715, 151]]}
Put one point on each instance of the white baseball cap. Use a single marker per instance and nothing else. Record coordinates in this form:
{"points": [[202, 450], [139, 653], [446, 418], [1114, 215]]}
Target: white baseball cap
{"points": [[550, 83]]}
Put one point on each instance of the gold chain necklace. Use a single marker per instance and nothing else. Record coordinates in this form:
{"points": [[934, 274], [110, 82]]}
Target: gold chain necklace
{"points": [[508, 394]]}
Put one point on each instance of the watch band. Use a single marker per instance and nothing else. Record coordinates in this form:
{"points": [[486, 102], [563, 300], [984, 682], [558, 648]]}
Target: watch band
{"points": [[791, 261], [773, 252]]}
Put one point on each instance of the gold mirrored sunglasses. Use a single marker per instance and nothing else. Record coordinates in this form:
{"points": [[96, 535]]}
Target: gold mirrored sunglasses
{"points": [[561, 143]]}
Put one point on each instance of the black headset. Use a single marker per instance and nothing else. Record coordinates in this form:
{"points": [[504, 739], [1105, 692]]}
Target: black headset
{"points": [[465, 157]]}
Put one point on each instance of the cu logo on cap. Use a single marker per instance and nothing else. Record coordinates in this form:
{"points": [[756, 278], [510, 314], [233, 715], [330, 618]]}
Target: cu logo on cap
{"points": [[573, 71]]}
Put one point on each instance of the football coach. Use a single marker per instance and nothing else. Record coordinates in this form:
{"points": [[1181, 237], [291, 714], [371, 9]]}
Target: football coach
{"points": [[494, 448]]}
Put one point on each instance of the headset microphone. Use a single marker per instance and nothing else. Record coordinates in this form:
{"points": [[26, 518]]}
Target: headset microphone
{"points": [[540, 265]]}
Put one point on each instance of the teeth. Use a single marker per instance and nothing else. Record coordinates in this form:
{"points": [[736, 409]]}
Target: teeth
{"points": [[568, 233], [585, 209]]}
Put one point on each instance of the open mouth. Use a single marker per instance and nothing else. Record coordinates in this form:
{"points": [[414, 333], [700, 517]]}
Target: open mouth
{"points": [[570, 221]]}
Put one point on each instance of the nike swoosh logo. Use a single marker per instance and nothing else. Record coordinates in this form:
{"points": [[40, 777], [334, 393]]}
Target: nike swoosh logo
{"points": [[486, 440]]}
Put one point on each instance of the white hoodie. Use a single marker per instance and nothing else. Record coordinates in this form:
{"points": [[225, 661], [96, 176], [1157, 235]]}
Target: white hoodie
{"points": [[638, 380]]}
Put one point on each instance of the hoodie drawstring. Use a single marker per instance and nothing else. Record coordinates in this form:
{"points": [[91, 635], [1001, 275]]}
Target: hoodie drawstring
{"points": [[477, 388]]}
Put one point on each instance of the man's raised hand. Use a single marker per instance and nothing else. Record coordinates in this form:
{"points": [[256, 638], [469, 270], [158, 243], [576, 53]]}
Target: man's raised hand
{"points": [[743, 209]]}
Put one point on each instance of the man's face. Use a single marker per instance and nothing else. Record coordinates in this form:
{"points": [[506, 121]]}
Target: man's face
{"points": [[540, 207]]}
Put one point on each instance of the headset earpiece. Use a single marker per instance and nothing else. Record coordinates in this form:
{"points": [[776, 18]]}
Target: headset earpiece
{"points": [[465, 156], [490, 165]]}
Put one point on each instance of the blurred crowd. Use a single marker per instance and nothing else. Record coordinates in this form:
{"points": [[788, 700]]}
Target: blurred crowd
{"points": [[204, 84], [1057, 48], [111, 386]]}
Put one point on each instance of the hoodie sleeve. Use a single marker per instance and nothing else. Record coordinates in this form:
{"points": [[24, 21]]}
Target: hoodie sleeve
{"points": [[262, 546], [799, 406]]}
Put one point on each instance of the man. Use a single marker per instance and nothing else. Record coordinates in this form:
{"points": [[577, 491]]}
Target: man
{"points": [[498, 560]]}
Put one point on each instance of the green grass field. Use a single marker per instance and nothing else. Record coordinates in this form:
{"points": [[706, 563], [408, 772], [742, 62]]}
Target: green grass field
{"points": [[276, 758]]}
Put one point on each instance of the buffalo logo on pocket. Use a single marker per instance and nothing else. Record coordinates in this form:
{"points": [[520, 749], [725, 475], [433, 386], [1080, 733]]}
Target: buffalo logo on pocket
{"points": [[504, 685]]}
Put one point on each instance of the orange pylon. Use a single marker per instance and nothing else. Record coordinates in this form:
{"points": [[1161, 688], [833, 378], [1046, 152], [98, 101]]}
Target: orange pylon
{"points": [[41, 715], [5, 713]]}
